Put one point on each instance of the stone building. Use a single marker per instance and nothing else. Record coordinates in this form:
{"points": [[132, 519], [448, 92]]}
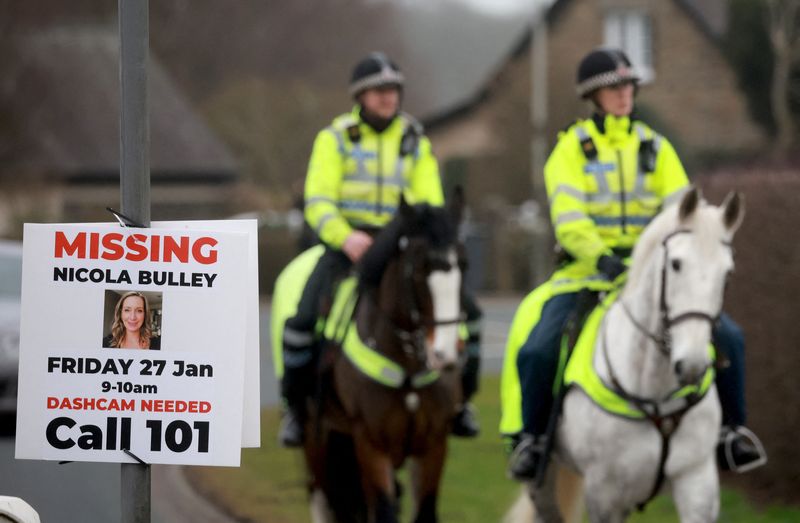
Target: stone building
{"points": [[688, 93], [59, 98]]}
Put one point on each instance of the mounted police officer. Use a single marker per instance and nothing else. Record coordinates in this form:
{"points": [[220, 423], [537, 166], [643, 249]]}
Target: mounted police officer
{"points": [[606, 178], [360, 165]]}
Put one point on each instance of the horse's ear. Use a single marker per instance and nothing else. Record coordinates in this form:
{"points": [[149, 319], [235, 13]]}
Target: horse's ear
{"points": [[456, 206], [733, 211], [689, 203]]}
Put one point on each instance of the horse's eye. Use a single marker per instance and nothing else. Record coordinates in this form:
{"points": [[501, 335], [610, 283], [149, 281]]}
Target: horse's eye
{"points": [[676, 265]]}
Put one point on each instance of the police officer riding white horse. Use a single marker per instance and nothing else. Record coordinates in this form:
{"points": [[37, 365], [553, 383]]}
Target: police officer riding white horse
{"points": [[608, 176], [360, 166]]}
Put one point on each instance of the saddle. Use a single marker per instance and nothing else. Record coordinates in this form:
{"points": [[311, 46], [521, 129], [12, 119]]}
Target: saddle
{"points": [[576, 369]]}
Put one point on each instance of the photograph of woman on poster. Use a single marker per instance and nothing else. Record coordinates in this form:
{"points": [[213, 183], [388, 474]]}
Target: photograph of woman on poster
{"points": [[132, 324]]}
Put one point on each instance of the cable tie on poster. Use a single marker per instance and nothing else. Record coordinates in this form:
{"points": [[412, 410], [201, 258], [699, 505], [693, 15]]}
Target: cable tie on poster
{"points": [[123, 220], [134, 456]]}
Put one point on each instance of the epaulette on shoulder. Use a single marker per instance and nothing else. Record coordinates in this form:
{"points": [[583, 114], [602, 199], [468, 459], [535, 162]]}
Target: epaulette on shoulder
{"points": [[635, 120], [342, 122], [564, 131], [413, 123], [348, 125]]}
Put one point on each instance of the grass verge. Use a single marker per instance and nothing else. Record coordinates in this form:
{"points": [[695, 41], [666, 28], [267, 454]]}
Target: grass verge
{"points": [[269, 487]]}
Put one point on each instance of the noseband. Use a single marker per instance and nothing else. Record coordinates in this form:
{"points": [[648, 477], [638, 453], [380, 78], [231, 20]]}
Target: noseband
{"points": [[413, 336], [663, 338], [665, 415]]}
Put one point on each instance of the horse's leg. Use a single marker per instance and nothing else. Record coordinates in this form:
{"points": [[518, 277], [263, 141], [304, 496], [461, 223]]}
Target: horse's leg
{"points": [[696, 493], [427, 475], [544, 498], [377, 480], [569, 490], [603, 502], [320, 509], [314, 450]]}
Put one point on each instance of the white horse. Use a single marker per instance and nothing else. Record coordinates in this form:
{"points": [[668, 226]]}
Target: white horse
{"points": [[654, 340]]}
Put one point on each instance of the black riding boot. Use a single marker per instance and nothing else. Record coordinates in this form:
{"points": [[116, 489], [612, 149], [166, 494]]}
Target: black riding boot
{"points": [[295, 389], [465, 424], [291, 432], [525, 459]]}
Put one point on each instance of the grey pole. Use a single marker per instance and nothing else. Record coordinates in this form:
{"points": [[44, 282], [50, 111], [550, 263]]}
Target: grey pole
{"points": [[134, 191], [539, 101], [540, 259], [134, 116]]}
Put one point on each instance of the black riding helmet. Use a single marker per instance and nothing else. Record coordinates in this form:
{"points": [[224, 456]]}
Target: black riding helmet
{"points": [[376, 70], [603, 67]]}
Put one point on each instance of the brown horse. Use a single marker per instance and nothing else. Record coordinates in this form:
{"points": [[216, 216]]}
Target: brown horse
{"points": [[392, 396]]}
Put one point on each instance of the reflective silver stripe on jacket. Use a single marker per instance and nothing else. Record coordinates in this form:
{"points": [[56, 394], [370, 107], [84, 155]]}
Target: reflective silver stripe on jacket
{"points": [[355, 152], [568, 190], [570, 216], [567, 281], [295, 339], [339, 140], [396, 180], [322, 221], [319, 199], [597, 169], [362, 174]]}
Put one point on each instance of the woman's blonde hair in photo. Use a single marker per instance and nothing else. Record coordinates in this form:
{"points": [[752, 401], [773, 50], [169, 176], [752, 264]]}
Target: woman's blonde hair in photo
{"points": [[118, 327]]}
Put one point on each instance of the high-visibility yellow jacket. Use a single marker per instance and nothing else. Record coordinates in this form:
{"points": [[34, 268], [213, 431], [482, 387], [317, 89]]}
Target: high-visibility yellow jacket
{"points": [[604, 187], [356, 175]]}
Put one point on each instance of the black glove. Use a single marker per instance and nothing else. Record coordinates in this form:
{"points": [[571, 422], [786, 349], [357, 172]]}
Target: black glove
{"points": [[612, 266]]}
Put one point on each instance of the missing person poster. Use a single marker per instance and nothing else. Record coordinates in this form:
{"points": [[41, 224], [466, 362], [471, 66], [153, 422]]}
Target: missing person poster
{"points": [[251, 417], [132, 344]]}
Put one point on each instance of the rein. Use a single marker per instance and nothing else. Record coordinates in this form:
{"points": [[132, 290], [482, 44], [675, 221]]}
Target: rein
{"points": [[662, 339], [411, 333], [666, 415], [413, 338]]}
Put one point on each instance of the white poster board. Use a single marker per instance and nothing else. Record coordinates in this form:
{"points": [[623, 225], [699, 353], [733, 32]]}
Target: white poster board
{"points": [[251, 417], [82, 399]]}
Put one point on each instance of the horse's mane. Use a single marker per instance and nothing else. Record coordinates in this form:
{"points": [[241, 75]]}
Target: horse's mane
{"points": [[666, 222], [412, 221]]}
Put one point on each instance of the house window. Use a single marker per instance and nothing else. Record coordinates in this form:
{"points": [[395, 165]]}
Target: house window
{"points": [[631, 31]]}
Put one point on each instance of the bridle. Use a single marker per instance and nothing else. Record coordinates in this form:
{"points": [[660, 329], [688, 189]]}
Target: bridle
{"points": [[663, 338], [412, 336], [666, 414]]}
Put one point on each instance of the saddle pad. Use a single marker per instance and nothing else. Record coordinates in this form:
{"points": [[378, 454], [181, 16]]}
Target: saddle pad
{"points": [[286, 296], [581, 373]]}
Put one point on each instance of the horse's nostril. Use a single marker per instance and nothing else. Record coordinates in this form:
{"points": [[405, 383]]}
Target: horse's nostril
{"points": [[678, 367]]}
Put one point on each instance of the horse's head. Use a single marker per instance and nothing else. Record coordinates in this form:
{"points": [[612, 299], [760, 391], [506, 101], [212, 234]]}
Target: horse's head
{"points": [[415, 265], [689, 246]]}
